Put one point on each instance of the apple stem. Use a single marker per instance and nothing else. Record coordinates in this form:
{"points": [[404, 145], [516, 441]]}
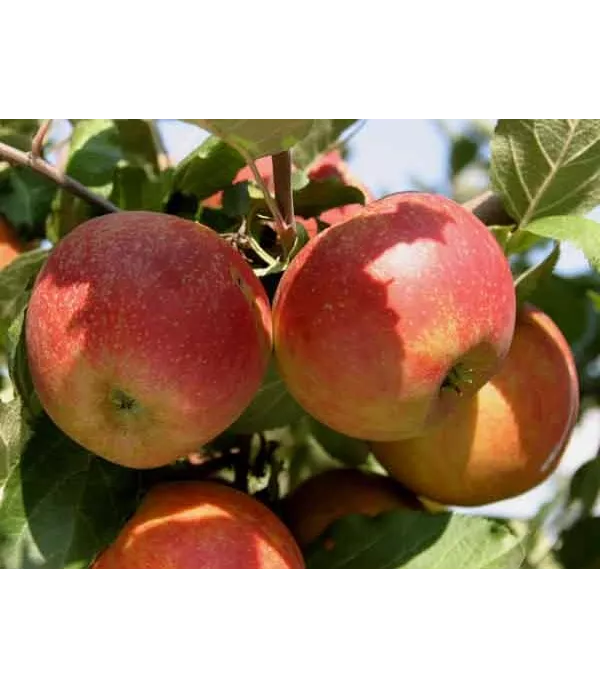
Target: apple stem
{"points": [[284, 196], [488, 207]]}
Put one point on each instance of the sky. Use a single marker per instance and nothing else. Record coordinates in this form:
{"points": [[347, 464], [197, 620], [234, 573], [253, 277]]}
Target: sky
{"points": [[388, 155]]}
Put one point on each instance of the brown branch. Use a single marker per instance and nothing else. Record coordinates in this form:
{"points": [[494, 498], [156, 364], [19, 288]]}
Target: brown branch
{"points": [[489, 209], [45, 169], [37, 144]]}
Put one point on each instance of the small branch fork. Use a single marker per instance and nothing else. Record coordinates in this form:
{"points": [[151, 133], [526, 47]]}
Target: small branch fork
{"points": [[34, 160]]}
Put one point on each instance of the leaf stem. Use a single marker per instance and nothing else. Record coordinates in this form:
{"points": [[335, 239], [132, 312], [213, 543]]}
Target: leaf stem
{"points": [[45, 169]]}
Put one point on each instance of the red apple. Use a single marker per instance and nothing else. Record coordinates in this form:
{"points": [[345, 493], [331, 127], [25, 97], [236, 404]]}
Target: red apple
{"points": [[147, 336], [201, 525], [509, 437], [324, 498], [385, 321]]}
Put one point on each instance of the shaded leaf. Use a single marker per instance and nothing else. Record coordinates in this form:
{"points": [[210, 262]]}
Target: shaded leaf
{"points": [[408, 539], [15, 281], [565, 300], [579, 231], [61, 505], [318, 196], [580, 546], [137, 142], [258, 137], [463, 153], [531, 279], [14, 432], [26, 199], [236, 200], [594, 297], [272, 407], [348, 450], [323, 134], [94, 153], [18, 367], [18, 133], [543, 167], [585, 486], [135, 189], [208, 169]]}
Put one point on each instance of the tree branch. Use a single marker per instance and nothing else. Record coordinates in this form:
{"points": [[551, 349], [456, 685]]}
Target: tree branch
{"points": [[45, 169], [489, 209], [37, 144]]}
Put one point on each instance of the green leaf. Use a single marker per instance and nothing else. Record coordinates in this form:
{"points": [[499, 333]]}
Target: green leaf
{"points": [[135, 189], [95, 152], [323, 134], [272, 407], [318, 196], [236, 200], [61, 505], [18, 367], [410, 539], [137, 142], [579, 231], [580, 546], [258, 137], [594, 297], [543, 167], [16, 280], [26, 199], [208, 169], [463, 153], [348, 450], [565, 300], [14, 433], [18, 133], [585, 486], [531, 279]]}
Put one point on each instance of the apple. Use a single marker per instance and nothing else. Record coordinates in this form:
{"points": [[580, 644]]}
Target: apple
{"points": [[384, 322], [509, 437], [10, 246], [201, 525], [147, 336], [324, 498]]}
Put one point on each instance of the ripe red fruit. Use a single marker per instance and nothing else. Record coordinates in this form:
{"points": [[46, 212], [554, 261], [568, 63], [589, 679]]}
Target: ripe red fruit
{"points": [[385, 321], [509, 437], [324, 498], [147, 336], [201, 525]]}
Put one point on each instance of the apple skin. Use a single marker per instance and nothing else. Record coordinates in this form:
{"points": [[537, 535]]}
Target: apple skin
{"points": [[10, 246], [375, 313], [147, 336], [509, 437], [324, 498], [201, 525]]}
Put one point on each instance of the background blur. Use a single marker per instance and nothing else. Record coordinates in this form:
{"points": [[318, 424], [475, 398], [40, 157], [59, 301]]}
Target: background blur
{"points": [[449, 157]]}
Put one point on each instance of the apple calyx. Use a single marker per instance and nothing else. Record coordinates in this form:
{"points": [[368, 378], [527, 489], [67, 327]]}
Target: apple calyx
{"points": [[123, 401]]}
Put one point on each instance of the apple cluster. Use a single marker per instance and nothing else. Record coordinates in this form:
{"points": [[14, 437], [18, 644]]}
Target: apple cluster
{"points": [[148, 335]]}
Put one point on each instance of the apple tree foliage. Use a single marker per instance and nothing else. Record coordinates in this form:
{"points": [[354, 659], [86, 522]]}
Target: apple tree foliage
{"points": [[60, 505]]}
